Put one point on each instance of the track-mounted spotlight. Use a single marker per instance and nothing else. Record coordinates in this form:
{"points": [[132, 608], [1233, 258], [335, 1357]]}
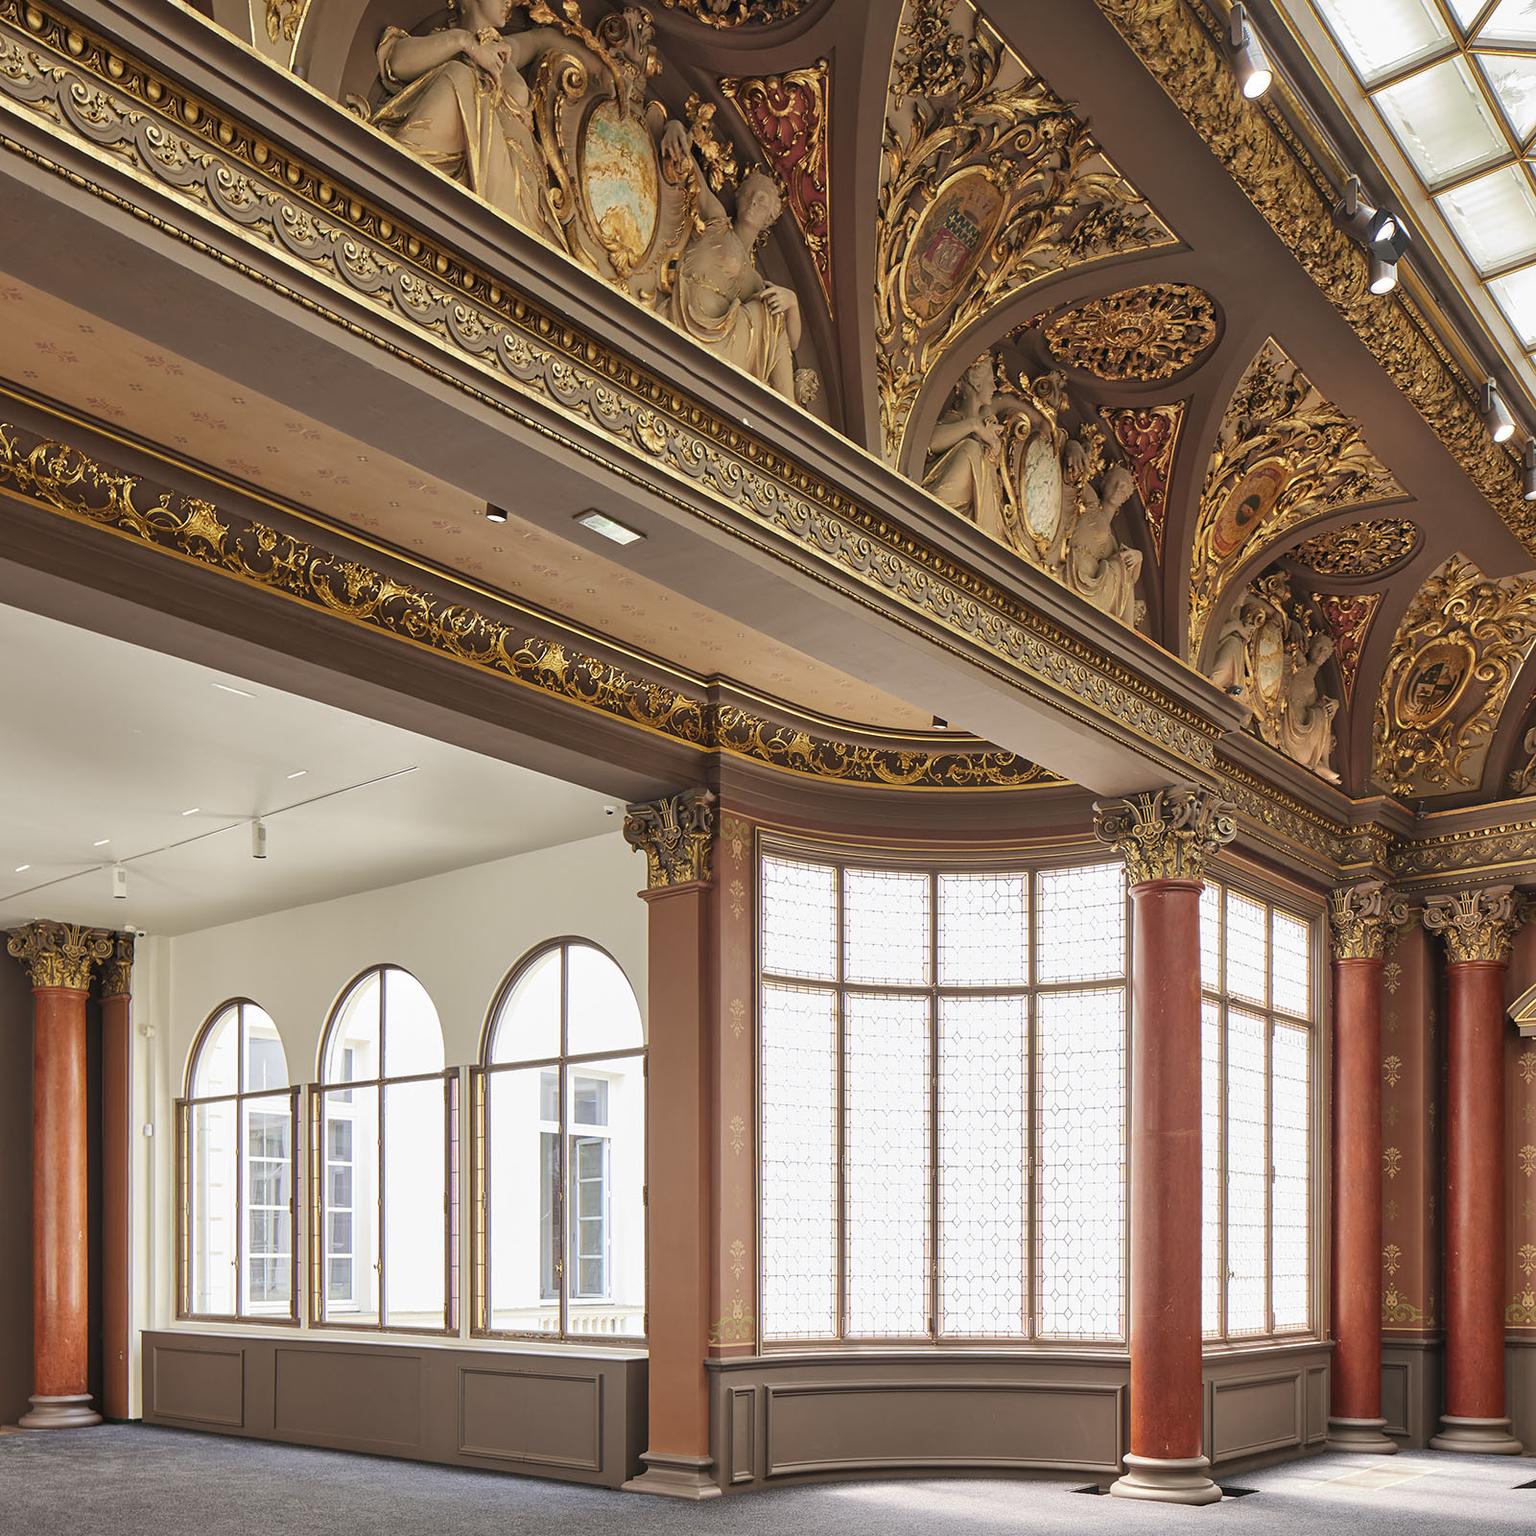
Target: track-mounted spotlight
{"points": [[1529, 491], [119, 882], [495, 514], [1249, 61], [1380, 230], [1383, 275], [258, 839], [1501, 425]]}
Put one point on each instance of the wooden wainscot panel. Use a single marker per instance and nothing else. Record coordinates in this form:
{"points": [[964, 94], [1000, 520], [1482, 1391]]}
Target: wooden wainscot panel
{"points": [[549, 1417], [1395, 1376], [743, 1433], [194, 1384], [363, 1399], [867, 1425], [1317, 1404], [1250, 1414]]}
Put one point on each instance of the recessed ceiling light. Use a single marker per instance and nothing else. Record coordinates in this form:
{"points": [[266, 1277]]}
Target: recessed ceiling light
{"points": [[298, 773], [230, 688], [192, 810], [21, 869], [101, 842], [494, 514], [603, 525]]}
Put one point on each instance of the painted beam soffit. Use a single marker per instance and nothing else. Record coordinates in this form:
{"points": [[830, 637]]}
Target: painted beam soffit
{"points": [[1284, 455], [53, 475], [73, 86], [989, 183], [1180, 46]]}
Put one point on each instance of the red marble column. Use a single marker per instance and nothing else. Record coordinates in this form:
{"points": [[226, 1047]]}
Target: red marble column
{"points": [[1478, 927], [59, 957], [116, 1175], [1165, 838], [1361, 918], [677, 836]]}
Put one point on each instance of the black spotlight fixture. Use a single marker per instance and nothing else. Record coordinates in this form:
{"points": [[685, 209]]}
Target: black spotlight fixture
{"points": [[1501, 425], [1381, 231], [494, 514], [1529, 490], [1250, 63]]}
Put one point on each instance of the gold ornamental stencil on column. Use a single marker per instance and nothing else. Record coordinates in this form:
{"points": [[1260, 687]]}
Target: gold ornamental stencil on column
{"points": [[989, 183], [1284, 455], [1453, 661]]}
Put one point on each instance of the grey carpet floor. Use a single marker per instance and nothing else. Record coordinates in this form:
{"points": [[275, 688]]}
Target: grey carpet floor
{"points": [[124, 1480]]}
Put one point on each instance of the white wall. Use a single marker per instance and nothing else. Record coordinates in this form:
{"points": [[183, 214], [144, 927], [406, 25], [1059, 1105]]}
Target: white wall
{"points": [[458, 934]]}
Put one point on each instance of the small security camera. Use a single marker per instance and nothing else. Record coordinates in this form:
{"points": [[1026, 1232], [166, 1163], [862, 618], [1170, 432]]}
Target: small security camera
{"points": [[610, 810]]}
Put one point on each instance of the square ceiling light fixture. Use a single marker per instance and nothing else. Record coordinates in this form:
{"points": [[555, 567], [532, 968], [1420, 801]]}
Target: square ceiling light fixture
{"points": [[600, 523]]}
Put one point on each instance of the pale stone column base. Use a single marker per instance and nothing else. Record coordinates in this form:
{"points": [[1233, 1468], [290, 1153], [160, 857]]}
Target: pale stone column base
{"points": [[676, 1477], [1360, 1436], [1476, 1437], [60, 1413], [1182, 1481]]}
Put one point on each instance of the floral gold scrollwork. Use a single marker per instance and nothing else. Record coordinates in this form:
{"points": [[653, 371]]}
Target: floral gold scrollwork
{"points": [[738, 13], [117, 968], [59, 954], [284, 17], [1359, 549], [1453, 660], [1149, 437], [1181, 46], [738, 1326], [989, 183], [1166, 834], [1284, 454], [1477, 925], [788, 114], [222, 171], [677, 837], [1348, 617], [1362, 917], [1148, 333]]}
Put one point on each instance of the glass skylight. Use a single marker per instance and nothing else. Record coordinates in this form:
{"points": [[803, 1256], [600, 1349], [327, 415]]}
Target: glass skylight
{"points": [[1512, 79], [1383, 36], [1514, 21], [1442, 121], [1494, 217], [1516, 293]]}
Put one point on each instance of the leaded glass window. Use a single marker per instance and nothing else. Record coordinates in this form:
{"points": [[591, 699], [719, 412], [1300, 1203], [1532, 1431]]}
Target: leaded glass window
{"points": [[943, 1101]]}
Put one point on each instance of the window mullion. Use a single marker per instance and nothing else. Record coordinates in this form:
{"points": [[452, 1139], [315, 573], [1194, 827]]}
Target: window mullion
{"points": [[841, 1100], [935, 1258]]}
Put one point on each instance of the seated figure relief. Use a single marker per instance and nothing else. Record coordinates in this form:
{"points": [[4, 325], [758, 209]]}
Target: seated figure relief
{"points": [[1002, 456], [555, 126], [1267, 655]]}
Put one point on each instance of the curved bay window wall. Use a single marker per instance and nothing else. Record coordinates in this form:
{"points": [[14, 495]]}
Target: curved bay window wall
{"points": [[237, 1130], [1259, 1007], [559, 1164], [943, 1101], [383, 1153]]}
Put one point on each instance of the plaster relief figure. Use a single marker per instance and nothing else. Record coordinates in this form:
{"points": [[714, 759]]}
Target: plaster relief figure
{"points": [[721, 299], [458, 99], [965, 454], [1229, 661], [1306, 721], [1095, 564]]}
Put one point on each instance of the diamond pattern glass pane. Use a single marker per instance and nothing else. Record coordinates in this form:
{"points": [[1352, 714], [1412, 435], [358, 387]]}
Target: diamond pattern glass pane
{"points": [[1512, 79], [1081, 1097], [1247, 952], [799, 919], [799, 1162], [1380, 36], [1441, 119], [886, 1147], [1291, 1190], [983, 1157], [886, 927], [1081, 923], [1291, 957], [983, 930], [1210, 1168], [1495, 216], [1210, 938], [1247, 1174], [1516, 295]]}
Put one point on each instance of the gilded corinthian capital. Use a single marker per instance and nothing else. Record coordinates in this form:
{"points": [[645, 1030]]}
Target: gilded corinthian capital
{"points": [[1166, 834], [676, 835], [1476, 925], [59, 954], [117, 968], [1361, 917]]}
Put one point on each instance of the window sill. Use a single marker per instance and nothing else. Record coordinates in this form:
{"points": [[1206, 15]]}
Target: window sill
{"points": [[377, 1339]]}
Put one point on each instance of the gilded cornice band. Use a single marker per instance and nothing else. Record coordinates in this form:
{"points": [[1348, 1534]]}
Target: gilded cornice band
{"points": [[59, 954], [1180, 47], [74, 86], [1361, 918], [1166, 834]]}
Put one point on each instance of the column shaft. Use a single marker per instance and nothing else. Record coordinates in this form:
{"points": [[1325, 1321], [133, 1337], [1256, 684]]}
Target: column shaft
{"points": [[60, 1263], [1355, 1422], [116, 1178]]}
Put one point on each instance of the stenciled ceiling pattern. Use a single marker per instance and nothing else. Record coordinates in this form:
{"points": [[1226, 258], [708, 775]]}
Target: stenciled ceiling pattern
{"points": [[989, 183], [1284, 455]]}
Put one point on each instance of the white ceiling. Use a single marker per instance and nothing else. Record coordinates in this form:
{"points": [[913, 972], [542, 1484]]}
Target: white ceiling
{"points": [[106, 740]]}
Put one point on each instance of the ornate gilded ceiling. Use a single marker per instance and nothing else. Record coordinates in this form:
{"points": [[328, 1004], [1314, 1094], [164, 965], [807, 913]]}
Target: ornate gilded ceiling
{"points": [[1100, 374]]}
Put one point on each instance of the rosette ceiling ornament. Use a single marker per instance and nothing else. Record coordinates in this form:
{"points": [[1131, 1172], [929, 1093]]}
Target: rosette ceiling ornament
{"points": [[1142, 335], [1360, 549], [989, 184], [1284, 455]]}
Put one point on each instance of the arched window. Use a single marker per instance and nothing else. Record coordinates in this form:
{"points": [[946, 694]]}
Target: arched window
{"points": [[560, 1152], [237, 1129], [383, 1146]]}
